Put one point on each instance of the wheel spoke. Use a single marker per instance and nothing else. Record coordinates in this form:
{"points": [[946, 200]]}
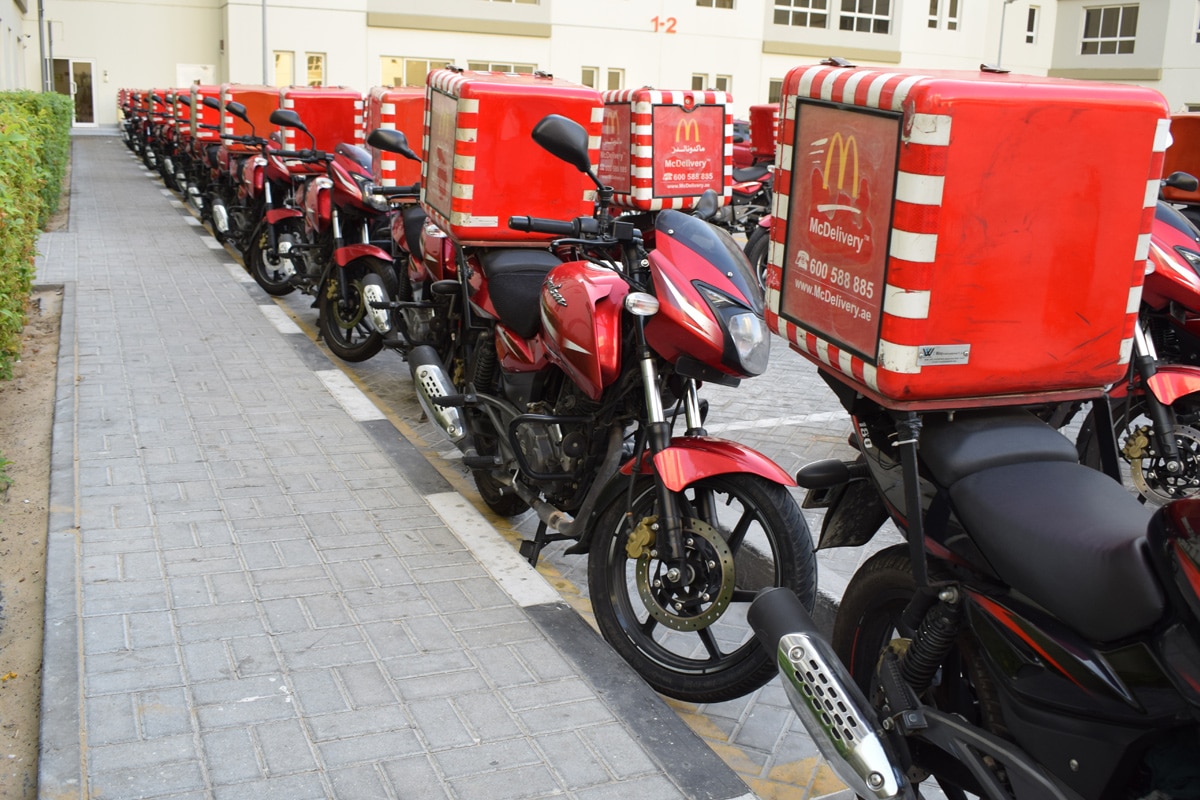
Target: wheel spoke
{"points": [[647, 627], [710, 643], [739, 531]]}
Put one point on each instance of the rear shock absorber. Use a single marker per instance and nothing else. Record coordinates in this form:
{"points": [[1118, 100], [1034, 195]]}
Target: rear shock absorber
{"points": [[932, 641]]}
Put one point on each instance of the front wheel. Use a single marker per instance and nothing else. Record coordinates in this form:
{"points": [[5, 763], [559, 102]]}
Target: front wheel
{"points": [[1143, 465], [742, 533], [342, 317], [270, 270]]}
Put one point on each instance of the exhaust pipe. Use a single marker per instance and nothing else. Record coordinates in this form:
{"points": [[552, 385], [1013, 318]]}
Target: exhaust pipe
{"points": [[375, 300], [825, 698], [431, 381], [220, 215]]}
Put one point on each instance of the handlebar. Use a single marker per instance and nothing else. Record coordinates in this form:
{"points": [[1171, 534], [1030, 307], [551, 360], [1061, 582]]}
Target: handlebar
{"points": [[555, 227], [398, 191]]}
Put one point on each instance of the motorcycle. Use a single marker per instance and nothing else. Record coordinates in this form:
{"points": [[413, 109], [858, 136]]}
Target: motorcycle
{"points": [[750, 199], [332, 246], [1037, 636], [1155, 412], [235, 199], [559, 373]]}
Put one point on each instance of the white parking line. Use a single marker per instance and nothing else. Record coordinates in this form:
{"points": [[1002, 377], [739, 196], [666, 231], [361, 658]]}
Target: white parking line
{"points": [[750, 424], [274, 314], [524, 584], [240, 275], [350, 397]]}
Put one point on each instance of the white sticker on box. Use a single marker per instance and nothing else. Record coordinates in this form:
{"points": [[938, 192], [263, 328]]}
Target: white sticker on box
{"points": [[937, 355]]}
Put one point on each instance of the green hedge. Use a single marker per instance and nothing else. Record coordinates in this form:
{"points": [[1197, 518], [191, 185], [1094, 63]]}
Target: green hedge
{"points": [[34, 150]]}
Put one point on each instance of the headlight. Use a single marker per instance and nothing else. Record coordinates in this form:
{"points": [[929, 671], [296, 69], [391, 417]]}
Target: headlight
{"points": [[748, 331], [1190, 256]]}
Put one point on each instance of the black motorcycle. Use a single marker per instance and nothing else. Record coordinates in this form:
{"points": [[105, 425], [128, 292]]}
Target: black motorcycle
{"points": [[1037, 637]]}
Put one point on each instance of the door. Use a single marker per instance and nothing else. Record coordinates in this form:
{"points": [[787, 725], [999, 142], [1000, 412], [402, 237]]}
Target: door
{"points": [[74, 78]]}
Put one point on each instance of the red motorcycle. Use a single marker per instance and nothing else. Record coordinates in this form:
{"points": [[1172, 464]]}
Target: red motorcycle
{"points": [[346, 226], [1155, 413], [559, 374]]}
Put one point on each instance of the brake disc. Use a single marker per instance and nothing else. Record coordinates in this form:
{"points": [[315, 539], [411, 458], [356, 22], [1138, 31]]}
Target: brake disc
{"points": [[702, 601], [1149, 470]]}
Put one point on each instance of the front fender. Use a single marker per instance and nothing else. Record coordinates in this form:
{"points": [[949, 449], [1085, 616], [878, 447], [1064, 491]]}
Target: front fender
{"points": [[1169, 383], [692, 458], [344, 255]]}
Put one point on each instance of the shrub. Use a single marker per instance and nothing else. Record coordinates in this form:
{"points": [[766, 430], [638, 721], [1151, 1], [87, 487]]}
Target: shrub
{"points": [[34, 150]]}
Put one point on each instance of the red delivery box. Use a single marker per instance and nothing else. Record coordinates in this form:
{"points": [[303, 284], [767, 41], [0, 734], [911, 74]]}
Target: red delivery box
{"points": [[204, 115], [941, 237], [259, 101], [398, 108], [332, 114], [663, 149], [481, 163], [1183, 155], [764, 131]]}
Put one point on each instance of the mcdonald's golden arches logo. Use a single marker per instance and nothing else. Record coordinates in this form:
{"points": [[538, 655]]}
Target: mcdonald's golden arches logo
{"points": [[687, 130], [846, 149]]}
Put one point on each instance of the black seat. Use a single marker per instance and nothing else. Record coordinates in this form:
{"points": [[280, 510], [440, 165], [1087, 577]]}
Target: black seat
{"points": [[1069, 538], [953, 447], [515, 278], [754, 172]]}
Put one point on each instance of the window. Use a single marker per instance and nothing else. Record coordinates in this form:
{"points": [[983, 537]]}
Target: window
{"points": [[489, 66], [285, 67], [724, 83], [398, 71], [315, 69], [699, 82], [1109, 30], [802, 13], [1031, 25], [715, 3], [943, 14], [775, 90], [865, 16], [590, 76], [616, 79]]}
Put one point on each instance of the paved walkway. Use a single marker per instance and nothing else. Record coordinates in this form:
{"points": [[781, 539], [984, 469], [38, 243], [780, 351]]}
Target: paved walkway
{"points": [[257, 590]]}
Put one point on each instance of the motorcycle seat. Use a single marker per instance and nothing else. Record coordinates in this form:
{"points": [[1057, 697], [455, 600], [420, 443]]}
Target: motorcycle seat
{"points": [[514, 277], [1067, 537], [755, 172], [953, 447]]}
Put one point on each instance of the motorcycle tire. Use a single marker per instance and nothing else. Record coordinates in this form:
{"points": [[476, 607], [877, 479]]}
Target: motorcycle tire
{"points": [[743, 534], [866, 624], [342, 320], [1150, 479], [266, 271], [757, 246]]}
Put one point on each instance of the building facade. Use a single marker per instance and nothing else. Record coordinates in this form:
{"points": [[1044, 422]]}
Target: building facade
{"points": [[744, 47]]}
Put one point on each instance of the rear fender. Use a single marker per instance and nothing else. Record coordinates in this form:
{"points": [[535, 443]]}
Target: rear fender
{"points": [[692, 458]]}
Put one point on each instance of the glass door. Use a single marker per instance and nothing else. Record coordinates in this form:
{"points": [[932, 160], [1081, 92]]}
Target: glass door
{"points": [[74, 79]]}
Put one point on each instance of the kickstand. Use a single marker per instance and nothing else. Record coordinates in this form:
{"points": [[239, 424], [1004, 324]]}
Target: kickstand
{"points": [[531, 549]]}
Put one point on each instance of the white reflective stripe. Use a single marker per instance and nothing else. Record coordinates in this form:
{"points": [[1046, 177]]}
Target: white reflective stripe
{"points": [[387, 108], [1162, 136], [1126, 351], [851, 86], [917, 247], [906, 303], [643, 130], [466, 134], [643, 151], [930, 129], [903, 89], [598, 114], [804, 89], [468, 105], [463, 191], [823, 351], [781, 205], [877, 86], [466, 163], [1143, 248], [1151, 199], [900, 358], [870, 376], [845, 362], [1135, 299], [922, 190]]}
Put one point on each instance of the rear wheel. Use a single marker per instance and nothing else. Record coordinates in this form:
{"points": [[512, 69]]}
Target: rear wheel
{"points": [[868, 623], [342, 317], [742, 534], [756, 251], [270, 270]]}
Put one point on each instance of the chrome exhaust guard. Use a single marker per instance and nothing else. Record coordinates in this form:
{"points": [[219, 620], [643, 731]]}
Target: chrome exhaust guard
{"points": [[374, 295], [825, 698], [220, 215], [431, 381]]}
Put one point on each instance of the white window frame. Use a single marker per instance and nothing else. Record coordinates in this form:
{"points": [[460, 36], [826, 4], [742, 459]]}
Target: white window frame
{"points": [[715, 4], [943, 14], [308, 70], [1103, 42], [872, 18], [1032, 22], [614, 78], [803, 13]]}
